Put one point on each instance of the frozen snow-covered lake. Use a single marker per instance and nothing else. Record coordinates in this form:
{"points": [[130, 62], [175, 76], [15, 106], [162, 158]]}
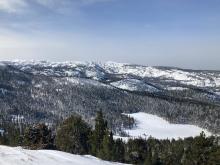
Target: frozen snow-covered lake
{"points": [[152, 125]]}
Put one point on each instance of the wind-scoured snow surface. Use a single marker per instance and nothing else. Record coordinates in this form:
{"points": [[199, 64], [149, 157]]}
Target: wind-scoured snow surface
{"points": [[19, 156], [151, 125]]}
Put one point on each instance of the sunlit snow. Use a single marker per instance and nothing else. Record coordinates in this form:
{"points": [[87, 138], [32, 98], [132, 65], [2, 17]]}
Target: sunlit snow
{"points": [[134, 85], [176, 88], [151, 125], [19, 156], [98, 71], [187, 78]]}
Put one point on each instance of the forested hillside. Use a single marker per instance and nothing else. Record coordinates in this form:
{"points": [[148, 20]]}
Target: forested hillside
{"points": [[50, 92]]}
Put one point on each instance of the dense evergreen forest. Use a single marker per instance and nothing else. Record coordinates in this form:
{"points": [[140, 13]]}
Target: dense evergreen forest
{"points": [[75, 136]]}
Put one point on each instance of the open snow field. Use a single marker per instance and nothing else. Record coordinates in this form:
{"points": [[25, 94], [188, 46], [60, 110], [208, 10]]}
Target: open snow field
{"points": [[19, 156], [152, 125]]}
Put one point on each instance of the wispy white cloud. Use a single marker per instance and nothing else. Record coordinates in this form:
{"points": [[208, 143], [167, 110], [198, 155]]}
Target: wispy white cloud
{"points": [[50, 2], [94, 1], [12, 6]]}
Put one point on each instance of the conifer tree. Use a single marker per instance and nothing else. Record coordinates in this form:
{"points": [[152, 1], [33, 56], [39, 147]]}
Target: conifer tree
{"points": [[106, 151], [98, 134], [73, 136], [119, 151], [38, 137]]}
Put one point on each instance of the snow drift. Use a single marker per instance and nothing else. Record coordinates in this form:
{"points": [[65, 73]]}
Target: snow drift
{"points": [[19, 156]]}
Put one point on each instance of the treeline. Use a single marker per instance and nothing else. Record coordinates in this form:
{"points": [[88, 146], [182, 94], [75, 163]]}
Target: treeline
{"points": [[75, 136]]}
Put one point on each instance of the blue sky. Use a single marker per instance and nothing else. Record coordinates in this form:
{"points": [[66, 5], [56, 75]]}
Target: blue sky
{"points": [[182, 33]]}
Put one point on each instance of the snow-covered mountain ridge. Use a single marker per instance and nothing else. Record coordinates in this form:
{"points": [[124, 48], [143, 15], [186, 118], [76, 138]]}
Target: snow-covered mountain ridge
{"points": [[111, 71], [98, 70]]}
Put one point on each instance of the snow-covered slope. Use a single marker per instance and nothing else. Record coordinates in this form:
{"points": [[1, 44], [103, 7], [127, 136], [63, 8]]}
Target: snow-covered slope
{"points": [[187, 77], [19, 156], [151, 125], [100, 71], [134, 85]]}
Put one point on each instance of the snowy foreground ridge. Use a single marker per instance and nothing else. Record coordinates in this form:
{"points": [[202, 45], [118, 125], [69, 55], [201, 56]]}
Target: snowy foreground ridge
{"points": [[19, 156], [152, 125]]}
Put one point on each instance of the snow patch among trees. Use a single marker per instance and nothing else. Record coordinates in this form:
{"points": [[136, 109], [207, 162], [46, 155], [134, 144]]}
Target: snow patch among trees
{"points": [[134, 85], [151, 125]]}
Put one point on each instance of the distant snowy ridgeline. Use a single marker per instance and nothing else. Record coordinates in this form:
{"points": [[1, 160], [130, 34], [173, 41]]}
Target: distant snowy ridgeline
{"points": [[19, 156], [150, 125], [99, 71], [187, 77]]}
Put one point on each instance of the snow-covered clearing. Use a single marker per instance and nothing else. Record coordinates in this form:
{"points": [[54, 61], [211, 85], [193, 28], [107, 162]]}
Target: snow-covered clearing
{"points": [[134, 85], [151, 125], [176, 88], [19, 156]]}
